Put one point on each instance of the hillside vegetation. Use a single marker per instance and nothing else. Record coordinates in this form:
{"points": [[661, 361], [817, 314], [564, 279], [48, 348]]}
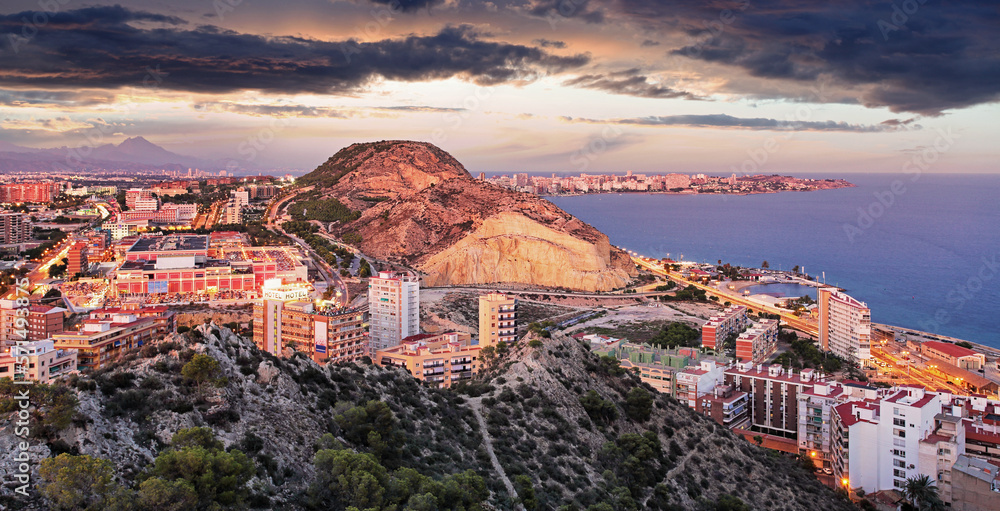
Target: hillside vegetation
{"points": [[207, 420]]}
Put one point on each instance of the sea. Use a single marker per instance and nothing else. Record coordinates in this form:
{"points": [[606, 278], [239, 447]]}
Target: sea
{"points": [[922, 250]]}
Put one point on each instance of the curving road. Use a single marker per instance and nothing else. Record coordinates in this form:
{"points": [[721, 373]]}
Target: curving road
{"points": [[806, 326]]}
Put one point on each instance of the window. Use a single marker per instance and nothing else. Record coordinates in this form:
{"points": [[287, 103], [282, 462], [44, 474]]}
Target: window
{"points": [[898, 473], [898, 484], [899, 452], [895, 411], [899, 432], [899, 463], [899, 422]]}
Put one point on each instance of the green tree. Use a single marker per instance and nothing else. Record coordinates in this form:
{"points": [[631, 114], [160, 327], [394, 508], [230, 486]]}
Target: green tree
{"points": [[200, 369], [729, 502], [525, 492], [77, 482], [196, 437], [638, 404], [765, 265], [364, 269], [598, 408], [922, 493], [372, 425], [217, 478], [759, 440], [487, 356], [160, 495]]}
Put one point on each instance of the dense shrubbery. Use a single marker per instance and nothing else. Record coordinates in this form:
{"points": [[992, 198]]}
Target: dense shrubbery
{"points": [[328, 210], [677, 334]]}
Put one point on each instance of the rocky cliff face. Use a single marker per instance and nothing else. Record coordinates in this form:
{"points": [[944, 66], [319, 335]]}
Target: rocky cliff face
{"points": [[435, 217]]}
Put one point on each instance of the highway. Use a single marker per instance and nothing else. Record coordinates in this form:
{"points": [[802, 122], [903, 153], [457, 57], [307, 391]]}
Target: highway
{"points": [[809, 327]]}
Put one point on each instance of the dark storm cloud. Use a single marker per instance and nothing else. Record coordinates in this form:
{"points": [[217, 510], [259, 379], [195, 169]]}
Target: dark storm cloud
{"points": [[577, 9], [926, 59], [99, 48], [298, 110], [756, 123], [648, 43], [545, 43], [629, 83], [407, 5], [42, 98]]}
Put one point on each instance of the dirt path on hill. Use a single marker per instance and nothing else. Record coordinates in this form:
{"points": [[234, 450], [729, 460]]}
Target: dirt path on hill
{"points": [[476, 404]]}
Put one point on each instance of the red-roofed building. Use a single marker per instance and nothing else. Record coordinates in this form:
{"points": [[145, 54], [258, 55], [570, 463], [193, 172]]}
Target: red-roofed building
{"points": [[960, 357], [33, 323]]}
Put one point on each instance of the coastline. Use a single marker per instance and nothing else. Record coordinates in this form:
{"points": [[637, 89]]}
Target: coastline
{"points": [[692, 192]]}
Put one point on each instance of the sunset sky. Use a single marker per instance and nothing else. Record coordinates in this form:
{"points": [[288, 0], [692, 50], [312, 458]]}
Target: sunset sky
{"points": [[759, 86]]}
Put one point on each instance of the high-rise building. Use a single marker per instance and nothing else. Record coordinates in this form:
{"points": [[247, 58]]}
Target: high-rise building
{"points": [[77, 258], [29, 192], [497, 318], [394, 306], [285, 317], [135, 194], [844, 325], [722, 325], [758, 342], [242, 197], [14, 228]]}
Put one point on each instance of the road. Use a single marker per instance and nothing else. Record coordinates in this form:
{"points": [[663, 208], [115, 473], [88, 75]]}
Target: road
{"points": [[809, 327], [329, 274]]}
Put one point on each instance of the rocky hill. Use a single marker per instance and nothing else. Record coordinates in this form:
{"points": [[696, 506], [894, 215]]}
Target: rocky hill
{"points": [[420, 207], [553, 426]]}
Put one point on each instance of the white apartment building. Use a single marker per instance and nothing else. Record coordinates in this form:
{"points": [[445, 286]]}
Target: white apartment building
{"points": [[877, 444], [242, 197], [844, 325], [394, 309]]}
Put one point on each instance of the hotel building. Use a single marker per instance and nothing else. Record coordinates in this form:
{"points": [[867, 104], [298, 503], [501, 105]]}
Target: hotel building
{"points": [[438, 359], [722, 325], [844, 325], [497, 317], [285, 317], [394, 307]]}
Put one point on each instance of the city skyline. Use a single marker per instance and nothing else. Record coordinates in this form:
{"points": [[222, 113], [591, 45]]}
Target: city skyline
{"points": [[540, 86]]}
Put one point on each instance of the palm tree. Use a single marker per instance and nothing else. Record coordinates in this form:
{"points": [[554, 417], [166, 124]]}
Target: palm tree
{"points": [[922, 493]]}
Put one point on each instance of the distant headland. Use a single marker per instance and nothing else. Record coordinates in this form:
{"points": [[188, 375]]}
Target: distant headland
{"points": [[662, 183]]}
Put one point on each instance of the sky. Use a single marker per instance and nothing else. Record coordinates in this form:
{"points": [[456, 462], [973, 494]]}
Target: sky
{"points": [[585, 86]]}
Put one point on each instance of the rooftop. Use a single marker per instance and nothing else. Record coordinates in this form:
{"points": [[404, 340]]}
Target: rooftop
{"points": [[170, 243], [949, 349]]}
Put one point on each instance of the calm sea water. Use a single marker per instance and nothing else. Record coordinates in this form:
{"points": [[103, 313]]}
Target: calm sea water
{"points": [[923, 254]]}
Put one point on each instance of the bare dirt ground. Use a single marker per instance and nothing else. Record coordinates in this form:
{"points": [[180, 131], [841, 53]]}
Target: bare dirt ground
{"points": [[640, 323], [446, 309]]}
